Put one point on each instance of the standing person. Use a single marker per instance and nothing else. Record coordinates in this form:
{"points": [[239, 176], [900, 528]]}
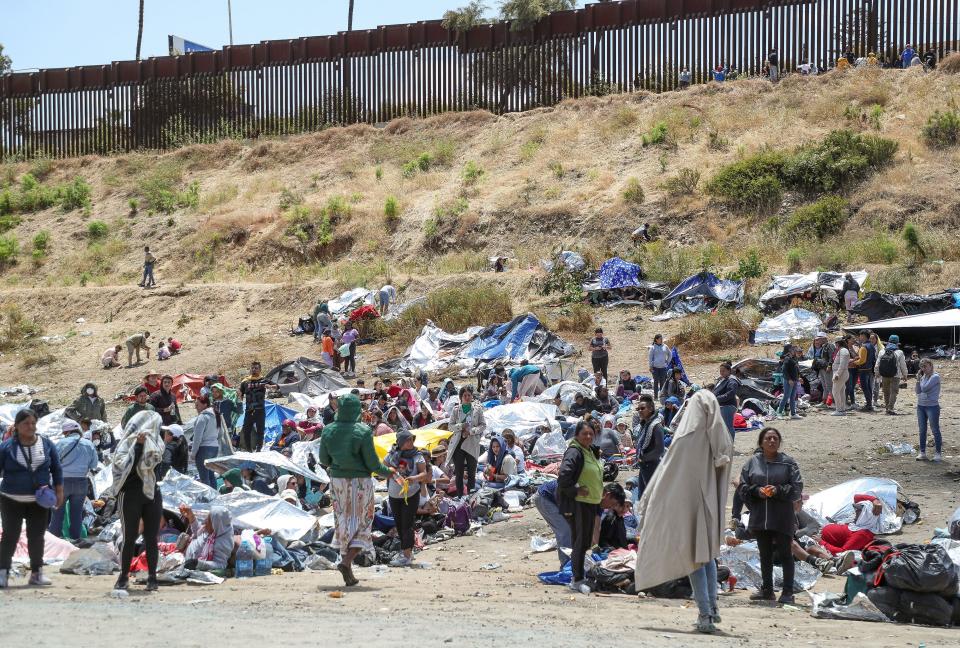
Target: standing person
{"points": [[681, 515], [648, 431], [770, 485], [600, 352], [821, 355], [468, 426], [927, 388], [546, 501], [321, 317], [135, 466], [865, 363], [580, 487], [148, 262], [140, 395], [674, 387], [684, 78], [850, 292], [403, 489], [385, 296], [892, 369], [349, 337], [726, 392], [134, 344], [841, 374], [253, 390], [176, 453], [774, 62], [206, 440], [791, 376], [165, 404], [226, 407], [658, 359], [29, 466], [855, 360], [347, 452], [906, 56], [878, 348], [89, 405], [327, 350], [78, 458]]}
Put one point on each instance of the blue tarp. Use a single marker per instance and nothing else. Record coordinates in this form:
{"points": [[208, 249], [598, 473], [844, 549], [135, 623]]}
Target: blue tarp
{"points": [[617, 273], [709, 286], [522, 338], [275, 417]]}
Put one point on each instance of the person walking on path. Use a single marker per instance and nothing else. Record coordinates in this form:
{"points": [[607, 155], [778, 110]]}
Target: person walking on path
{"points": [[78, 458], [134, 344], [841, 373], [600, 352], [347, 452], [31, 483], [658, 360], [148, 262], [770, 486], [682, 512], [726, 392], [892, 369], [580, 489], [927, 388]]}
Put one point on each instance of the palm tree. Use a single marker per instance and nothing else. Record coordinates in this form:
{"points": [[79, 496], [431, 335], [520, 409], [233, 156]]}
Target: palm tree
{"points": [[140, 30], [349, 17]]}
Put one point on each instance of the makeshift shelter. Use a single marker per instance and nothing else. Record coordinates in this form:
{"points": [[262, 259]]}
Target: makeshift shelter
{"points": [[701, 293], [794, 324], [617, 273], [784, 288], [275, 415], [187, 386], [270, 463], [926, 331], [427, 438], [878, 306], [350, 300], [572, 261], [523, 418], [306, 376], [757, 379]]}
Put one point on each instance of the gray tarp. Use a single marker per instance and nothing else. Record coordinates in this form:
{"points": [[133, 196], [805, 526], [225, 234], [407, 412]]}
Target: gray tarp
{"points": [[275, 460], [794, 324], [785, 286], [350, 300], [306, 376], [744, 562]]}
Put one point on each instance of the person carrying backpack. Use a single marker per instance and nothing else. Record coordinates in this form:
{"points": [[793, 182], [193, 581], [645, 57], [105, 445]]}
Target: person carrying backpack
{"points": [[892, 367]]}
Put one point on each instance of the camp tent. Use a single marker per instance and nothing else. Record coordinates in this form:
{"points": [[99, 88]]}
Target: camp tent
{"points": [[783, 288], [350, 300], [617, 273], [794, 324], [878, 306], [306, 376], [275, 415], [702, 293], [924, 331]]}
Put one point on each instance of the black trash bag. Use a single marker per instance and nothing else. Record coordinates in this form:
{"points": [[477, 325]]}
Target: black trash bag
{"points": [[956, 611], [926, 609], [41, 407], [675, 589], [485, 499], [922, 568], [607, 580], [887, 600]]}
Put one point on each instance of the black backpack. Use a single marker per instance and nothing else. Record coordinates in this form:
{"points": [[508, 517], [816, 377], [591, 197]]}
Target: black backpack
{"points": [[888, 363]]}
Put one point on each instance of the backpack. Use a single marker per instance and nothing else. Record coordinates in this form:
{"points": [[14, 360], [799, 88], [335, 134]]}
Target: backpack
{"points": [[888, 363], [458, 517]]}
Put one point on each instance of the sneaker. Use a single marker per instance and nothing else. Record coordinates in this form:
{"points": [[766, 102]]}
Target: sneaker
{"points": [[122, 583], [825, 565], [401, 561], [866, 408], [574, 586], [715, 616], [763, 595], [787, 599], [845, 561], [796, 417], [4, 578], [937, 457], [152, 584], [922, 456], [705, 624], [37, 579]]}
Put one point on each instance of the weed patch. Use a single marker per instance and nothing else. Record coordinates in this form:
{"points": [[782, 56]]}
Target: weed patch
{"points": [[821, 219], [724, 329], [942, 129]]}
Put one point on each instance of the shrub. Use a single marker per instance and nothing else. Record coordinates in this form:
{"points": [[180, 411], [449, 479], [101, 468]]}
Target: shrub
{"points": [[8, 222], [472, 172], [41, 241], [391, 211], [556, 167], [74, 195], [656, 135], [716, 142], [722, 329], [895, 280], [189, 197], [821, 219], [289, 198], [337, 208], [911, 236], [633, 193], [749, 267], [17, 331], [794, 260], [159, 187], [450, 209], [431, 229], [839, 161], [97, 230], [308, 226], [876, 112], [33, 195], [578, 320], [683, 184], [942, 129], [752, 183], [134, 205], [378, 173], [670, 265], [409, 169], [443, 153], [879, 248], [565, 284], [9, 249], [454, 309]]}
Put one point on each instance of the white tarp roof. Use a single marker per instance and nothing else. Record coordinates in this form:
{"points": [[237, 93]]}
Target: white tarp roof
{"points": [[941, 319], [793, 284], [341, 304], [796, 323], [267, 458], [523, 418]]}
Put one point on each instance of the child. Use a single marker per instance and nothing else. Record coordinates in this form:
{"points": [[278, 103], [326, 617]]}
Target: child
{"points": [[174, 346], [163, 353]]}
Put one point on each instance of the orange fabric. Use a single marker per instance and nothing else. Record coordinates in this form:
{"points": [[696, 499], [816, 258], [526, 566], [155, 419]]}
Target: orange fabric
{"points": [[327, 345]]}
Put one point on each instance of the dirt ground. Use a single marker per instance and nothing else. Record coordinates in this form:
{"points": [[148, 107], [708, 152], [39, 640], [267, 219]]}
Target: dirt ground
{"points": [[224, 326]]}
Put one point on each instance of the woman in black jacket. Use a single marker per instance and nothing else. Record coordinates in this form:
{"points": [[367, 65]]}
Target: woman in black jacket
{"points": [[726, 392], [770, 485], [579, 491]]}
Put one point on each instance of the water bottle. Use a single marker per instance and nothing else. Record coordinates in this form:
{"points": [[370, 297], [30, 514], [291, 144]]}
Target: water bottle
{"points": [[263, 566], [244, 565]]}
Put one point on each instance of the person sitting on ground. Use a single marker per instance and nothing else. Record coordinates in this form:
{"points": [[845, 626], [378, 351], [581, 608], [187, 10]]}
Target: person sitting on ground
{"points": [[379, 427], [89, 404], [174, 346], [513, 447], [608, 440], [285, 483], [248, 472], [232, 480], [395, 420], [309, 424], [579, 407], [670, 408], [393, 390], [627, 387], [111, 357], [839, 538], [288, 436], [611, 532], [448, 390], [501, 464], [606, 402], [135, 343], [211, 543], [163, 353], [492, 390], [176, 452]]}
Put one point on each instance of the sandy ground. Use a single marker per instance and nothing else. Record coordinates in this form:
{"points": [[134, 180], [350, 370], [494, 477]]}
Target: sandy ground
{"points": [[453, 602]]}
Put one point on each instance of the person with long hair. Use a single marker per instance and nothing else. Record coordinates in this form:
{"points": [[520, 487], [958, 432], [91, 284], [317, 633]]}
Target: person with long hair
{"points": [[403, 489], [928, 409], [32, 484], [468, 425], [841, 374], [681, 513], [580, 489], [726, 392]]}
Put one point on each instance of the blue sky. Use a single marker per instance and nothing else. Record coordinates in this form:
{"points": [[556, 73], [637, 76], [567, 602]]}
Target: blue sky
{"points": [[63, 33]]}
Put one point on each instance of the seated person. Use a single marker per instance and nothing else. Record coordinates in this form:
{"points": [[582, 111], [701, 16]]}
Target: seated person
{"points": [[670, 408], [211, 543], [288, 436], [174, 346], [514, 448], [609, 440], [492, 390], [378, 426], [290, 497], [232, 480], [611, 533], [163, 352], [840, 538], [312, 494], [627, 388], [309, 424], [253, 481], [607, 403], [501, 465], [423, 418], [579, 406]]}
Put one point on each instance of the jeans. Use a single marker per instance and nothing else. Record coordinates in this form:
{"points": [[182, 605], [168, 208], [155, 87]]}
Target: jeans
{"points": [[789, 397], [852, 386], [726, 413], [581, 526], [659, 380], [464, 460], [405, 515], [866, 384], [74, 494], [207, 476], [767, 543], [551, 514], [12, 515], [148, 279], [249, 440], [134, 507], [647, 468], [704, 584], [929, 414]]}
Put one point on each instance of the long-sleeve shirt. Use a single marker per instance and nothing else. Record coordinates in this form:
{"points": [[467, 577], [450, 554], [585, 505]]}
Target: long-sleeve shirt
{"points": [[659, 356], [841, 365], [726, 391], [901, 364], [205, 433], [77, 457], [928, 390], [519, 373]]}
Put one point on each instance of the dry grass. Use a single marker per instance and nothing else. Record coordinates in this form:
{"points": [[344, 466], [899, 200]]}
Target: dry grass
{"points": [[724, 329]]}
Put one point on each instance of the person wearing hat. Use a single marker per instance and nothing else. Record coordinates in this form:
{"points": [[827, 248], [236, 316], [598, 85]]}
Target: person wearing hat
{"points": [[820, 354], [670, 408], [288, 436], [206, 440], [176, 453], [78, 458], [892, 369], [403, 489]]}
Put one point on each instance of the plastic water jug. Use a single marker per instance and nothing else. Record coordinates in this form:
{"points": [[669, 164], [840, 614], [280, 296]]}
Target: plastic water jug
{"points": [[244, 565], [263, 566]]}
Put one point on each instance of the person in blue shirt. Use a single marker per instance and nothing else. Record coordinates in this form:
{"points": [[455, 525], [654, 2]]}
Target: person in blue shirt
{"points": [[907, 56], [78, 458], [545, 500], [517, 374]]}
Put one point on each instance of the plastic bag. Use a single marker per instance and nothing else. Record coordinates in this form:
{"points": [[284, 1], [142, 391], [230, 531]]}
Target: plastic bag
{"points": [[97, 560], [549, 444], [922, 568], [539, 544]]}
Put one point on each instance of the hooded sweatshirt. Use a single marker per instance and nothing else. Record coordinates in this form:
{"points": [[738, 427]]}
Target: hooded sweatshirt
{"points": [[90, 407], [346, 445], [212, 549]]}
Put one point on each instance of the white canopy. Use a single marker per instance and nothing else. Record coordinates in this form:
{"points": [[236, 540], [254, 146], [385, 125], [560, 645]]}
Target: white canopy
{"points": [[940, 319]]}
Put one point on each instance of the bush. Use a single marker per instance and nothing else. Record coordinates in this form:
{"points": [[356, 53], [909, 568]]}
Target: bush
{"points": [[895, 280], [723, 329], [566, 285], [683, 184], [749, 267], [97, 230], [309, 226], [74, 195], [41, 241], [16, 330], [9, 249], [289, 198], [337, 208], [33, 195], [472, 172], [391, 211], [633, 193], [821, 219], [794, 260], [454, 309], [578, 320], [911, 236], [656, 135], [159, 188], [752, 183], [666, 264], [842, 159], [378, 173], [942, 129], [8, 222], [879, 248]]}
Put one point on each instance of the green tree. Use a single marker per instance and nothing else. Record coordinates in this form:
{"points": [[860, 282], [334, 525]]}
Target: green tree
{"points": [[6, 63], [467, 17]]}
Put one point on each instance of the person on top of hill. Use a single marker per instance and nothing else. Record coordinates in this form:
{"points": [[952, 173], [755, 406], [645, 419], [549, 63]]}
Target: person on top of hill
{"points": [[906, 56]]}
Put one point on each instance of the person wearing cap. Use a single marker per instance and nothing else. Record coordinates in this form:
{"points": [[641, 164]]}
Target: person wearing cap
{"points": [[892, 369], [141, 395], [206, 440], [176, 454], [403, 489], [288, 436], [78, 458], [821, 354], [28, 461]]}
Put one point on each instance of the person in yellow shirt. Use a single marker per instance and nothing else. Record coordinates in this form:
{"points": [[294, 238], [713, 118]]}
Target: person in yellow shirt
{"points": [[872, 59], [843, 63]]}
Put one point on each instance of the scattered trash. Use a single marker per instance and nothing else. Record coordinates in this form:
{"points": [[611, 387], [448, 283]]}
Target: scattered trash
{"points": [[80, 320], [539, 544], [335, 594], [899, 448], [118, 594], [200, 600], [489, 566], [53, 339], [86, 333]]}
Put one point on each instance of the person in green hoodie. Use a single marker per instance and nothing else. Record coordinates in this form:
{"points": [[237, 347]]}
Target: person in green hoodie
{"points": [[580, 489], [140, 404], [348, 454]]}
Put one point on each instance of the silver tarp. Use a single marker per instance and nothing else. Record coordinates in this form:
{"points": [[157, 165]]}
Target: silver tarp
{"points": [[267, 458], [797, 284], [567, 390], [744, 562], [835, 504], [794, 324], [350, 300], [523, 418], [827, 605]]}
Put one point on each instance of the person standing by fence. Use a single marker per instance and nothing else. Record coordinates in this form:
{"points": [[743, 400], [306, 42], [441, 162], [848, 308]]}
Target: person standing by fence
{"points": [[774, 63]]}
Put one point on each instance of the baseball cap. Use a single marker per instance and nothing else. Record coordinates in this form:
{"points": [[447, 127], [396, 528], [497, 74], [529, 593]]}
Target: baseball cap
{"points": [[174, 429], [894, 338], [69, 425]]}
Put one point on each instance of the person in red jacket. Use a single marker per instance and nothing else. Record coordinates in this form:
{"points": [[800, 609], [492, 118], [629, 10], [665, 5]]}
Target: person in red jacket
{"points": [[839, 538]]}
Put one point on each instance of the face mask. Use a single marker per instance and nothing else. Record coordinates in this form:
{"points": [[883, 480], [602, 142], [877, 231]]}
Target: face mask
{"points": [[91, 392]]}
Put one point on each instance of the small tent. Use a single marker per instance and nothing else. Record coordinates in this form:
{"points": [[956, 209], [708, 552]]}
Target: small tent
{"points": [[275, 415], [878, 306], [306, 376], [925, 331], [617, 273]]}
